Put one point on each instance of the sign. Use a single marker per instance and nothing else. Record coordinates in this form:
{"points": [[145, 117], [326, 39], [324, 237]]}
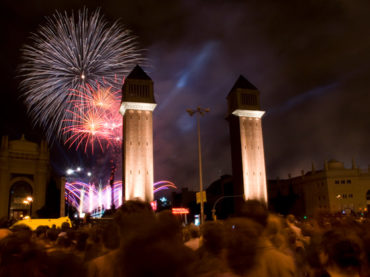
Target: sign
{"points": [[154, 205], [204, 197], [180, 211]]}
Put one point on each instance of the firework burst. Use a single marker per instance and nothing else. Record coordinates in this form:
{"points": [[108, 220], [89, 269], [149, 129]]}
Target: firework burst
{"points": [[94, 118], [67, 53], [86, 197]]}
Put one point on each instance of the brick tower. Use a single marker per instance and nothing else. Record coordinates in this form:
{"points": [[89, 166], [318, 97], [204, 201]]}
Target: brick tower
{"points": [[248, 158], [137, 108]]}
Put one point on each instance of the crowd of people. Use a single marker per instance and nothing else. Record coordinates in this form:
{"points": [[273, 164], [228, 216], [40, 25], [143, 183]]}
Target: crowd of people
{"points": [[138, 242]]}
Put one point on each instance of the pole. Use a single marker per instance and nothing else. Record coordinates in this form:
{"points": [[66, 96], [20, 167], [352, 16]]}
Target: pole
{"points": [[111, 183], [199, 112], [200, 170]]}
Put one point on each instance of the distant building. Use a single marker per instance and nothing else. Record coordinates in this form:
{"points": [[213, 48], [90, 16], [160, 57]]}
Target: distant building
{"points": [[186, 199], [25, 174], [333, 188], [221, 197]]}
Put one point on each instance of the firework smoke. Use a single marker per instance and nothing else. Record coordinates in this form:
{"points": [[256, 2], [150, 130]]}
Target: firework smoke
{"points": [[67, 53]]}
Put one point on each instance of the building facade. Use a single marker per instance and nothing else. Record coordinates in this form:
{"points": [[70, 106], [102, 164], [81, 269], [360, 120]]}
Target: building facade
{"points": [[247, 151], [334, 188], [24, 173], [137, 108]]}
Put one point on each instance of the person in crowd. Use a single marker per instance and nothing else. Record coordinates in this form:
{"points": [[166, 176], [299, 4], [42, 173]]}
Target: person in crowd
{"points": [[269, 260], [341, 254], [22, 257], [194, 237], [137, 242], [211, 256], [102, 265], [243, 237], [156, 250], [130, 220]]}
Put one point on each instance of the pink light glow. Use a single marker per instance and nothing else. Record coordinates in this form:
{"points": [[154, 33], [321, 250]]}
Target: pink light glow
{"points": [[88, 197]]}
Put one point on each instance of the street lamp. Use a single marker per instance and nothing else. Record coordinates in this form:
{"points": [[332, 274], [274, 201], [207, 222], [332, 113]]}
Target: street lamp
{"points": [[199, 112], [28, 201]]}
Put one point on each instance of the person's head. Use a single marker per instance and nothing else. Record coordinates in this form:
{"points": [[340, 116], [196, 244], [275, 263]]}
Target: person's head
{"points": [[65, 226], [343, 251], [131, 214], [169, 224], [242, 240], [213, 237], [4, 233], [22, 231], [110, 235], [274, 231], [81, 239], [41, 231], [290, 219], [64, 241], [64, 264], [20, 257], [155, 250], [256, 211]]}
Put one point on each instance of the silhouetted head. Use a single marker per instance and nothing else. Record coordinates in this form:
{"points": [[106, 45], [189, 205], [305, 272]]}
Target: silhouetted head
{"points": [[256, 211], [155, 249], [22, 231], [131, 214], [290, 218], [169, 225], [214, 237], [65, 226], [343, 250], [41, 231], [20, 257], [243, 237], [63, 264], [110, 235]]}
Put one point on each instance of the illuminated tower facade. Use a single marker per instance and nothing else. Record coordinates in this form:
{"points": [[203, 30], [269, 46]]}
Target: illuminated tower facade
{"points": [[248, 158], [137, 108]]}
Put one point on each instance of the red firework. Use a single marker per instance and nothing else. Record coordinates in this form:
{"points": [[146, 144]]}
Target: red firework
{"points": [[95, 118]]}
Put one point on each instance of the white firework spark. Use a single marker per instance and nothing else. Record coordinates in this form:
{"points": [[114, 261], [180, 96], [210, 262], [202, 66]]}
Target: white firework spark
{"points": [[67, 53]]}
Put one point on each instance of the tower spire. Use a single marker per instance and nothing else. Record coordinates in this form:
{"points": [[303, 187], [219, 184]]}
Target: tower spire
{"points": [[248, 158], [137, 108]]}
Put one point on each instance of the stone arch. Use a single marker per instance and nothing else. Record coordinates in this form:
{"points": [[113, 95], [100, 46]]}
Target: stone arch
{"points": [[20, 189]]}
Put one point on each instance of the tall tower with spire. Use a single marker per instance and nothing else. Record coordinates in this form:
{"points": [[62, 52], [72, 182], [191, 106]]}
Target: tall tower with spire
{"points": [[247, 152], [137, 108]]}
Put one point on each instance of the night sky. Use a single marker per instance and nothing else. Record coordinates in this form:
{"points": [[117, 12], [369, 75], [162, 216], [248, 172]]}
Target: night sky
{"points": [[309, 59]]}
